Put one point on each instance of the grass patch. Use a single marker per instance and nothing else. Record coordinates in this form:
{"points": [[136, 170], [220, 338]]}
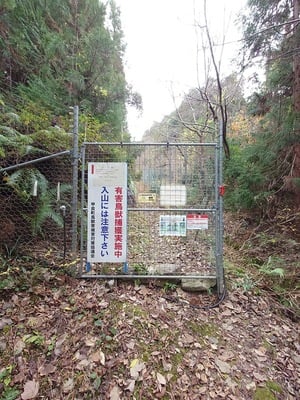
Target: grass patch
{"points": [[203, 331]]}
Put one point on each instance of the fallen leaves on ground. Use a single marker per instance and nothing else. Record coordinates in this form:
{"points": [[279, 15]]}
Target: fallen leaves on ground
{"points": [[31, 389], [87, 340]]}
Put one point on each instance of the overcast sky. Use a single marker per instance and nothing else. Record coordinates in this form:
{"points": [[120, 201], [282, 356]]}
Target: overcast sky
{"points": [[161, 53]]}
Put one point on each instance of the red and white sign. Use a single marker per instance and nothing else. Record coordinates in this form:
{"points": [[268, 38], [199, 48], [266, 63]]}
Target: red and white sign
{"points": [[196, 221], [107, 212]]}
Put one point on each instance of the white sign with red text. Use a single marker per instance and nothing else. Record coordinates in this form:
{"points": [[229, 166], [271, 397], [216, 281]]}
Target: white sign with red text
{"points": [[107, 212], [196, 221]]}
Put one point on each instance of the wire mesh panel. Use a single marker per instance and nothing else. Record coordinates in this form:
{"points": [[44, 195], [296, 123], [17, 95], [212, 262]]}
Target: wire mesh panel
{"points": [[172, 209], [36, 206]]}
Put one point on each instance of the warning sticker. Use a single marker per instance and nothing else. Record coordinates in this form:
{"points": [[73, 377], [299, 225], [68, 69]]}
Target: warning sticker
{"points": [[196, 221], [172, 225]]}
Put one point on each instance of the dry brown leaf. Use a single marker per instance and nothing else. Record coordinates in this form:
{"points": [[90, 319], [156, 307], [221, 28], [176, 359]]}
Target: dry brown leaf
{"points": [[260, 377], [19, 347], [161, 379], [47, 369], [34, 322], [187, 339], [98, 357], [202, 390], [58, 345], [114, 393], [251, 386], [261, 351], [4, 322], [223, 366], [167, 366], [102, 357], [227, 355], [20, 377], [91, 341], [68, 385], [230, 383], [130, 345], [83, 364], [103, 304], [136, 367], [205, 370], [297, 359], [31, 389], [79, 356], [203, 378], [144, 291], [131, 385], [15, 299], [155, 353], [169, 377]]}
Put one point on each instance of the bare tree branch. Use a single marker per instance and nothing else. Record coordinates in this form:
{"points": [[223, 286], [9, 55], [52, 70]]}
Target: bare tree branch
{"points": [[222, 104]]}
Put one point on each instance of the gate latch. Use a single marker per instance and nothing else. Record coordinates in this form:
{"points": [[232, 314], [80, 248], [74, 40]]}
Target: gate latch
{"points": [[221, 190]]}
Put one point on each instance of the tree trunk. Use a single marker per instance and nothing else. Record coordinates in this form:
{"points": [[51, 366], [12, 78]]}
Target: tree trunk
{"points": [[295, 170], [296, 61]]}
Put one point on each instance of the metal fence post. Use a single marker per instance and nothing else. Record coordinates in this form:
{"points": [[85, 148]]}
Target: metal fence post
{"points": [[220, 225], [75, 158]]}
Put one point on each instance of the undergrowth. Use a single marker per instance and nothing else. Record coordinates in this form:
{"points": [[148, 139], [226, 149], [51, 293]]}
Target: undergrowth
{"points": [[261, 258]]}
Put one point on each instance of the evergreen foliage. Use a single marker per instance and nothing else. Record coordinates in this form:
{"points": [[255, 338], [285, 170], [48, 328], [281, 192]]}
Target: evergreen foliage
{"points": [[258, 168], [60, 53], [55, 54]]}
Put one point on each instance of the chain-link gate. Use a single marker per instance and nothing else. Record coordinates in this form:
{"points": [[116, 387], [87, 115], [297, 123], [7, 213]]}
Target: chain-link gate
{"points": [[173, 211]]}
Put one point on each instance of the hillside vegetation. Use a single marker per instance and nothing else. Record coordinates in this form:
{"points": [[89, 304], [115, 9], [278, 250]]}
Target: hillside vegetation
{"points": [[65, 338]]}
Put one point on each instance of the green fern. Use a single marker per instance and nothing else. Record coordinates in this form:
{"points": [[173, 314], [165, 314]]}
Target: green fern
{"points": [[9, 132], [12, 140], [23, 180], [273, 267], [44, 212], [10, 118], [31, 150], [47, 209]]}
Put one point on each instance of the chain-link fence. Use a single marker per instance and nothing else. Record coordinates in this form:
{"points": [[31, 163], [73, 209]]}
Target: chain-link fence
{"points": [[36, 206], [173, 220], [172, 215]]}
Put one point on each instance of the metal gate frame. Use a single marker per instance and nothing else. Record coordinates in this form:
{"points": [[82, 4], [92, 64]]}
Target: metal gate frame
{"points": [[217, 210]]}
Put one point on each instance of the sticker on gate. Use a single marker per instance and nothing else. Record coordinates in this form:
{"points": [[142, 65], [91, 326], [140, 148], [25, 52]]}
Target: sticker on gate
{"points": [[146, 197], [172, 195], [197, 221], [172, 225]]}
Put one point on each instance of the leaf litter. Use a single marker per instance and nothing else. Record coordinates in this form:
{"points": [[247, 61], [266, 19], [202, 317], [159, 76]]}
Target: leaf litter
{"points": [[90, 340]]}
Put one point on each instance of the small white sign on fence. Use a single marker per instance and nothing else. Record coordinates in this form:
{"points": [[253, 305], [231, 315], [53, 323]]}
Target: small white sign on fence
{"points": [[107, 212], [172, 195], [197, 221], [172, 225]]}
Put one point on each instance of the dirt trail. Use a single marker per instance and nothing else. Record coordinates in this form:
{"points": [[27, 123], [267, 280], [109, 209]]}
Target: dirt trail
{"points": [[72, 339]]}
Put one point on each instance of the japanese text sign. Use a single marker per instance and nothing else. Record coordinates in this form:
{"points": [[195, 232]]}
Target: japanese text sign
{"points": [[107, 212]]}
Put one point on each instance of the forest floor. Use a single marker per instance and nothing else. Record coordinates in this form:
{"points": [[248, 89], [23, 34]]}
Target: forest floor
{"points": [[64, 338]]}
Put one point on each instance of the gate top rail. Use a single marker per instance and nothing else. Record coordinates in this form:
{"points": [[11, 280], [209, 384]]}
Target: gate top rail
{"points": [[167, 144], [36, 160]]}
